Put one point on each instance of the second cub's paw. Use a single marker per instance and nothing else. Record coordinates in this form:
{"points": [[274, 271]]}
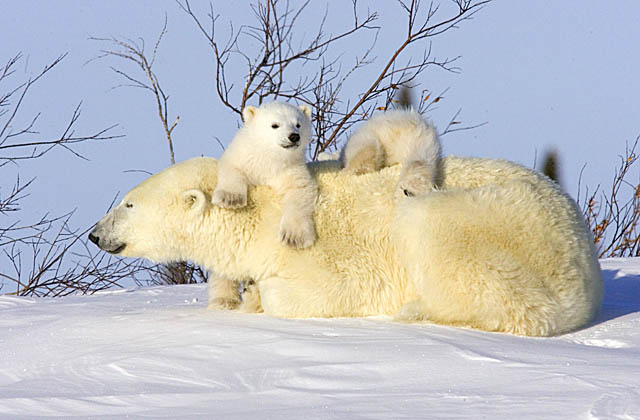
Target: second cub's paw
{"points": [[297, 235], [416, 182], [229, 200]]}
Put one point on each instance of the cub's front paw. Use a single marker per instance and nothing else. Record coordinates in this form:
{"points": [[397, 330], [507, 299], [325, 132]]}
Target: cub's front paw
{"points": [[229, 200], [297, 235]]}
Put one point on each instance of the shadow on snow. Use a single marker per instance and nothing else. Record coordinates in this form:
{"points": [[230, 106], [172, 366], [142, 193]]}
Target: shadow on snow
{"points": [[621, 295]]}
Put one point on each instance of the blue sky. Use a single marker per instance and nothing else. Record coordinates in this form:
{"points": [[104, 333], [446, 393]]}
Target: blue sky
{"points": [[541, 74]]}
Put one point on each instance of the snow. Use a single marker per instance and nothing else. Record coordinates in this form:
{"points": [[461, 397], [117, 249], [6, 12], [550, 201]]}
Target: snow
{"points": [[157, 352]]}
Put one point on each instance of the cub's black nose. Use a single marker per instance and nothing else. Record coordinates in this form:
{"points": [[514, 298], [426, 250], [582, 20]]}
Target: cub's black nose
{"points": [[294, 137], [93, 238]]}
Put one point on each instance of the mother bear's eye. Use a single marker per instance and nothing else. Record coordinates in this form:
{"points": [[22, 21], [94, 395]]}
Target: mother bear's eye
{"points": [[298, 125], [128, 205], [275, 125]]}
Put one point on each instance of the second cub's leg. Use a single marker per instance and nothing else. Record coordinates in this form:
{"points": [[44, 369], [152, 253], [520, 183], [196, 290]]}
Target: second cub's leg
{"points": [[421, 161], [363, 153]]}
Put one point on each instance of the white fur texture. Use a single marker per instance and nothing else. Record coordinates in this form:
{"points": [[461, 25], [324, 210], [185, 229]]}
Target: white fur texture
{"points": [[262, 153], [397, 137], [498, 248]]}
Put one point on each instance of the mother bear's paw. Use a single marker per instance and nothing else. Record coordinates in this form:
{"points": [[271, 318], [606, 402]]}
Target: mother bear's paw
{"points": [[411, 312], [224, 303]]}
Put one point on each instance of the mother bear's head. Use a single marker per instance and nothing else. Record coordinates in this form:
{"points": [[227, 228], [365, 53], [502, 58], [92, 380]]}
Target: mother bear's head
{"points": [[158, 218]]}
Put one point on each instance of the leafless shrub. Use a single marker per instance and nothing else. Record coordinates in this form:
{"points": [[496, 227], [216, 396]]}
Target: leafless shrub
{"points": [[54, 260], [275, 70], [613, 215], [41, 257], [177, 273]]}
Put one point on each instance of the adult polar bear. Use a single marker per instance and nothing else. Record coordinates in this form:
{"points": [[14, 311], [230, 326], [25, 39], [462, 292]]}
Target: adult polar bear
{"points": [[499, 248]]}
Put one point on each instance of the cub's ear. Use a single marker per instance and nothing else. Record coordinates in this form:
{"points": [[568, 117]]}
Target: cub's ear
{"points": [[248, 113], [306, 110], [194, 200]]}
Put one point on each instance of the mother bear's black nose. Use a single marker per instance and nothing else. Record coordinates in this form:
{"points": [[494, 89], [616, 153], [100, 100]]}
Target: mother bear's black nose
{"points": [[294, 137], [93, 238]]}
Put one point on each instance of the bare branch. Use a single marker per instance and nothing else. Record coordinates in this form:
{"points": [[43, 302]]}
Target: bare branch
{"points": [[267, 70], [270, 67], [13, 146], [465, 10], [456, 125], [613, 216], [134, 52]]}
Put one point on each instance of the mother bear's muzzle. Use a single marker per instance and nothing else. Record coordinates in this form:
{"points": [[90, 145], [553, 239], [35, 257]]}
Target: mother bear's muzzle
{"points": [[105, 245]]}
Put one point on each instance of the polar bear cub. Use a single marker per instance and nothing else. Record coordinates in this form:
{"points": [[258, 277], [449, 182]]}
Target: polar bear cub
{"points": [[399, 136], [269, 149]]}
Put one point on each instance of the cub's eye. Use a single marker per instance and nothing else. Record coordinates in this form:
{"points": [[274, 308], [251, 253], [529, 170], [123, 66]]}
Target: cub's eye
{"points": [[298, 125], [274, 126], [129, 205]]}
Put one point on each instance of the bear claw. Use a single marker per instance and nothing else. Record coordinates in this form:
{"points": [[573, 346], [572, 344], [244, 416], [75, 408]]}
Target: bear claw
{"points": [[416, 182], [224, 303], [229, 200], [299, 237]]}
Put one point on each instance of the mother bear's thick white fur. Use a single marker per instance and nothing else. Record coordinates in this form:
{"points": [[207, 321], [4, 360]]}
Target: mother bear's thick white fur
{"points": [[499, 248]]}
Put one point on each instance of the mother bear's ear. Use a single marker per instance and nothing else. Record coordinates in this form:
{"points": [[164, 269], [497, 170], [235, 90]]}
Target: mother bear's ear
{"points": [[194, 200]]}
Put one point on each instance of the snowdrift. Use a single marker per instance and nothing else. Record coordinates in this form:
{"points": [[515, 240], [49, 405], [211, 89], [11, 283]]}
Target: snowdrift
{"points": [[158, 352]]}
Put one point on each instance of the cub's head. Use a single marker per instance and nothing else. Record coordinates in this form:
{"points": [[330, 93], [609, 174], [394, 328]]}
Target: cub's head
{"points": [[158, 219], [279, 124]]}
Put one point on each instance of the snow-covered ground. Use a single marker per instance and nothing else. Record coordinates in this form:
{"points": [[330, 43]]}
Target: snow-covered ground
{"points": [[157, 352]]}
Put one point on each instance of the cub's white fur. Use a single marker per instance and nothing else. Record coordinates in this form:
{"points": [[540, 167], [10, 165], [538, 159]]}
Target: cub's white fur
{"points": [[269, 150], [399, 136]]}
